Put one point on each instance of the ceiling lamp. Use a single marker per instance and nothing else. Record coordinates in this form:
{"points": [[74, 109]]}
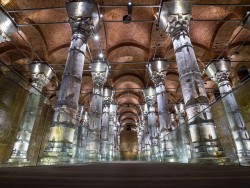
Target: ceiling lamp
{"points": [[127, 18]]}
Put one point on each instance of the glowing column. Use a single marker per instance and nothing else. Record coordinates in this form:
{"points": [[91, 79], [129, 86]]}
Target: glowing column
{"points": [[112, 129], [149, 95], [158, 71], [99, 71], [146, 142], [7, 26], [140, 135], [183, 138], [41, 73], [105, 139], [219, 71], [83, 23], [175, 18], [81, 136]]}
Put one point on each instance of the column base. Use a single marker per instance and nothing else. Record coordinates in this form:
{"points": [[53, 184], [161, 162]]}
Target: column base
{"points": [[12, 162], [19, 158], [57, 153], [210, 160], [93, 145], [146, 155], [105, 151], [80, 156], [208, 152], [155, 154], [168, 156], [244, 160]]}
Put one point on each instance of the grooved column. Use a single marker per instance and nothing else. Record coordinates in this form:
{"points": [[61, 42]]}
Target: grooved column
{"points": [[112, 129], [99, 72], [59, 148], [205, 144], [7, 26], [141, 134], [219, 71], [146, 142], [183, 139], [81, 136], [41, 74], [149, 95], [158, 70], [105, 139]]}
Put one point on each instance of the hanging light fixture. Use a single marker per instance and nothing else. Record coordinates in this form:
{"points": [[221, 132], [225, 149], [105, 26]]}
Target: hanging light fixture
{"points": [[127, 18]]}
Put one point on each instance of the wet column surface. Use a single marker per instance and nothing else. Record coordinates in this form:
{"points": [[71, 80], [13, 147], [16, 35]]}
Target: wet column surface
{"points": [[219, 71]]}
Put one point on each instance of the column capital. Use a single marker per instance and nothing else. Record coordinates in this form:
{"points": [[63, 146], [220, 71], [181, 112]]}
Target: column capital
{"points": [[85, 118], [107, 96], [219, 70], [150, 96], [83, 17], [180, 109], [41, 73], [99, 72], [158, 71], [178, 23], [175, 16], [7, 26]]}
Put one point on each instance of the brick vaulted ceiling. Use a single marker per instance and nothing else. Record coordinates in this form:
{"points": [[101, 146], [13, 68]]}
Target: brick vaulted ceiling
{"points": [[127, 47]]}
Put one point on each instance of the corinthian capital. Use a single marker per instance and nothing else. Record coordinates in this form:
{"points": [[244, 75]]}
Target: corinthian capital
{"points": [[175, 16], [83, 17], [99, 72], [158, 71], [219, 70], [149, 95], [178, 23]]}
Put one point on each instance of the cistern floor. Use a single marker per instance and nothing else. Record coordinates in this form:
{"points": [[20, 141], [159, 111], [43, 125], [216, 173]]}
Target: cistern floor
{"points": [[126, 174]]}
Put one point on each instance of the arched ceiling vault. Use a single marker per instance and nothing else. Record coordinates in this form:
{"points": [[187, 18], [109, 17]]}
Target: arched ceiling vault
{"points": [[127, 47]]}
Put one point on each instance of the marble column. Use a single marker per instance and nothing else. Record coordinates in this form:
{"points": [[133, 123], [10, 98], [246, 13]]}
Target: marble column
{"points": [[218, 71], [175, 18], [150, 97], [158, 71], [105, 139], [140, 135], [83, 23], [41, 73], [80, 141], [182, 134], [99, 72], [146, 142], [7, 26], [112, 129]]}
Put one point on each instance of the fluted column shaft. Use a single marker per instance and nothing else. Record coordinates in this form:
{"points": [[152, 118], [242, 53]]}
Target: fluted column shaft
{"points": [[99, 72], [219, 71], [32, 111], [202, 131], [105, 139], [112, 129], [183, 138], [81, 137], [149, 94], [62, 131]]}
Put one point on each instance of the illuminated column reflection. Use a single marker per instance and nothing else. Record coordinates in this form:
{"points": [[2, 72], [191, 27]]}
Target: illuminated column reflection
{"points": [[105, 132], [41, 73], [218, 71], [182, 137], [99, 72], [149, 95], [83, 24], [175, 16]]}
